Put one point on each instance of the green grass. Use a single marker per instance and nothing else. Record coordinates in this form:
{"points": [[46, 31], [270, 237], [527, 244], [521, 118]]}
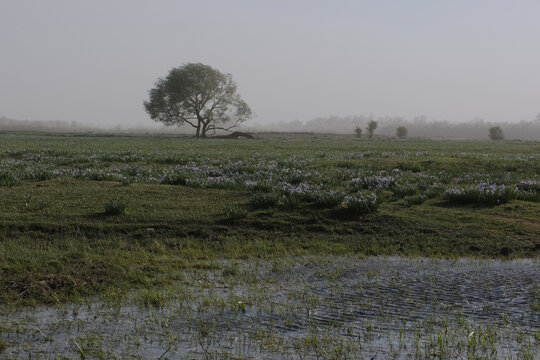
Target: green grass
{"points": [[115, 207], [58, 242], [3, 345]]}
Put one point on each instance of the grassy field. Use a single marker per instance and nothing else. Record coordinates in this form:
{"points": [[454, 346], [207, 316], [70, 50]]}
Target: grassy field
{"points": [[89, 215]]}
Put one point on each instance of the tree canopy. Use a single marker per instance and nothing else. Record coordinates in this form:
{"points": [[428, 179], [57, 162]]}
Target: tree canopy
{"points": [[496, 133], [200, 96], [371, 126], [401, 132]]}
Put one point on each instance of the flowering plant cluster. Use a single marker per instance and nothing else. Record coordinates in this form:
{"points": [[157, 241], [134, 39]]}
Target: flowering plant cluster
{"points": [[529, 185], [361, 204], [491, 193], [484, 193], [401, 183], [306, 177]]}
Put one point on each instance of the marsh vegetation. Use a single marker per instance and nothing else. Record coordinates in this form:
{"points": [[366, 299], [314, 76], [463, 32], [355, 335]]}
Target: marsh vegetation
{"points": [[306, 307], [134, 246]]}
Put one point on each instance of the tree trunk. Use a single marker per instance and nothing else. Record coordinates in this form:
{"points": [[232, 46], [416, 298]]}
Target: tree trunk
{"points": [[199, 123], [204, 128]]}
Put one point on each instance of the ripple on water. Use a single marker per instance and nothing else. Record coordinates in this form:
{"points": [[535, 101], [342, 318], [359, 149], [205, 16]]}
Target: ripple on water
{"points": [[292, 298]]}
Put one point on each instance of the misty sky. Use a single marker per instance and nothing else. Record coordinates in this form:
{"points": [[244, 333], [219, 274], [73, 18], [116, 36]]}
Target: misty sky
{"points": [[94, 61]]}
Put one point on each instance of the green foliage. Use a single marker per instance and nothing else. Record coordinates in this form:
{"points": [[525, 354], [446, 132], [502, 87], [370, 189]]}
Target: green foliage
{"points": [[235, 213], [177, 178], [361, 204], [484, 193], [115, 207], [7, 179], [3, 345], [200, 96], [329, 199], [263, 200], [496, 133], [414, 200], [153, 298], [401, 132], [371, 126], [358, 131], [56, 245]]}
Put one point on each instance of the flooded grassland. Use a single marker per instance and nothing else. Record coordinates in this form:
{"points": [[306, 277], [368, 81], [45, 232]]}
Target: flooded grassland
{"points": [[313, 248], [301, 308]]}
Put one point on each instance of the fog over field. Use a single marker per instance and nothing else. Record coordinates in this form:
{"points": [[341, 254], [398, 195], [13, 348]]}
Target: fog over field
{"points": [[419, 127], [455, 61]]}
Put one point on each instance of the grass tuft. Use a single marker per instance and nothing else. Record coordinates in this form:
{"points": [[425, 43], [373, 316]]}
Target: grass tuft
{"points": [[3, 345], [115, 207], [7, 179], [153, 298], [264, 200]]}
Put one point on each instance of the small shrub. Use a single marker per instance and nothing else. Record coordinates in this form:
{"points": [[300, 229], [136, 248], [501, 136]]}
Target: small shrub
{"points": [[358, 131], [496, 133], [115, 207], [401, 132]]}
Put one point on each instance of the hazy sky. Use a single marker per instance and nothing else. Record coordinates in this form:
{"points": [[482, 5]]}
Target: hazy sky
{"points": [[94, 61]]}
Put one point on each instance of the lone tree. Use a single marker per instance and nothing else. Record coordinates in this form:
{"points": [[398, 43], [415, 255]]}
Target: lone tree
{"points": [[401, 132], [198, 95], [371, 126], [496, 133], [358, 131]]}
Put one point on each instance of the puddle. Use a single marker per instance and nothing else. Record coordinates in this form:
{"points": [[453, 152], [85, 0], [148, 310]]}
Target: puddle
{"points": [[302, 308]]}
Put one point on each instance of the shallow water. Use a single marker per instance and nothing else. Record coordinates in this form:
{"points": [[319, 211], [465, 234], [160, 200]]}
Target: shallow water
{"points": [[302, 307]]}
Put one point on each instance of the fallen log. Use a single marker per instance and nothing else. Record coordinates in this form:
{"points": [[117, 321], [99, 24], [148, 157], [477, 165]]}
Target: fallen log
{"points": [[234, 135]]}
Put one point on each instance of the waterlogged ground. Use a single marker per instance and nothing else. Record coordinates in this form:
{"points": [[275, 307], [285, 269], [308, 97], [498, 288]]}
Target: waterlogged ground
{"points": [[300, 308]]}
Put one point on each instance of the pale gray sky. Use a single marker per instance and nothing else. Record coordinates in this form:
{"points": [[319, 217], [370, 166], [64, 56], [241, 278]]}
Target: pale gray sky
{"points": [[94, 61]]}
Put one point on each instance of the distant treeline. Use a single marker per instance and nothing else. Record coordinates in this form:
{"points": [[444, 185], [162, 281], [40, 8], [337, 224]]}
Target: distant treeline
{"points": [[7, 124], [417, 127]]}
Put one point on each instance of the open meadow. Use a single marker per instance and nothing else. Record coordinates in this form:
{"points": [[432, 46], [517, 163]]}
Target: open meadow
{"points": [[285, 247]]}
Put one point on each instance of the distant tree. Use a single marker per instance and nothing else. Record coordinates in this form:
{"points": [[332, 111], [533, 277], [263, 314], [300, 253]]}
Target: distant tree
{"points": [[200, 96], [358, 131], [401, 132], [496, 133], [371, 126]]}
